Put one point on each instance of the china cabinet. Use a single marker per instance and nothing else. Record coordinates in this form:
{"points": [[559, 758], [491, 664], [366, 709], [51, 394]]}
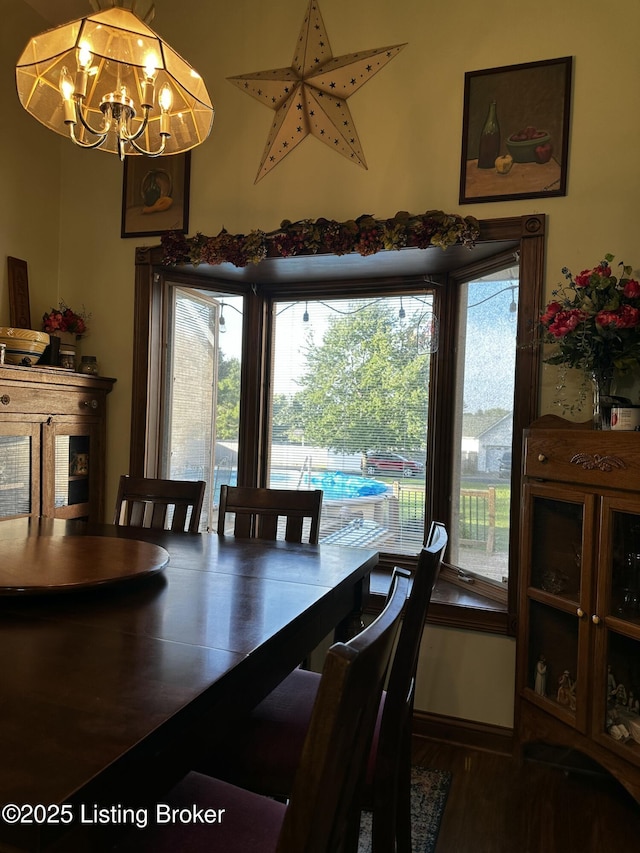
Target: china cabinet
{"points": [[52, 442], [578, 662]]}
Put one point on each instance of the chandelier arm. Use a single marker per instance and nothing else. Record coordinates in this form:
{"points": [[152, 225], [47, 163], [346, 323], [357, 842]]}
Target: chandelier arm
{"points": [[72, 132], [146, 153], [105, 130], [129, 137]]}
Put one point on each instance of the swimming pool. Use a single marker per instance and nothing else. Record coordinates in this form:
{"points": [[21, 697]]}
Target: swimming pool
{"points": [[335, 485]]}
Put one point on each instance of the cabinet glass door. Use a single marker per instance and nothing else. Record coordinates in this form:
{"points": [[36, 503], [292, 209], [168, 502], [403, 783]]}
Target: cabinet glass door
{"points": [[623, 555], [73, 453], [617, 660], [19, 469], [556, 600], [556, 552]]}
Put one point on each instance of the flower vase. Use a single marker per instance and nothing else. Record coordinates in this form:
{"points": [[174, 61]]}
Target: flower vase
{"points": [[602, 381]]}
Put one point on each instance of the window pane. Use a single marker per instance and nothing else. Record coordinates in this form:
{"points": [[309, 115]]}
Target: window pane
{"points": [[200, 439], [72, 466], [15, 475], [349, 413], [479, 540]]}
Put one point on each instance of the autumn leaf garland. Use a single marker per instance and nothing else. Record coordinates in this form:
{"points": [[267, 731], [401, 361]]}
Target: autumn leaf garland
{"points": [[365, 235]]}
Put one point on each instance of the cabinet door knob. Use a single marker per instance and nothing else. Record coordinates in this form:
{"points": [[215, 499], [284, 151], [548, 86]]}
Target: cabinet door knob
{"points": [[90, 404], [5, 399], [542, 457], [580, 613], [595, 619]]}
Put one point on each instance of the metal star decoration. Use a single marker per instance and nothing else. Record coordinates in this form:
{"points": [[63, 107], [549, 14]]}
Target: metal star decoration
{"points": [[311, 95]]}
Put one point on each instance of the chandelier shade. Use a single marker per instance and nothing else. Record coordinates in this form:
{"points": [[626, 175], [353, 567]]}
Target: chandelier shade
{"points": [[109, 81]]}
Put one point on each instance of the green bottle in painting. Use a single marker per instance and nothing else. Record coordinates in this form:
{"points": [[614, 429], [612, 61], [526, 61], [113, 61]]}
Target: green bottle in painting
{"points": [[489, 147], [151, 191]]}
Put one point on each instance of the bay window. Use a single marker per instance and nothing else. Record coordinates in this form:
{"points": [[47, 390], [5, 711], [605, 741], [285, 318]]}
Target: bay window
{"points": [[403, 397]]}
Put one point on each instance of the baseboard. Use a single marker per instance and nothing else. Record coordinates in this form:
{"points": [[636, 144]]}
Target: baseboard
{"points": [[454, 730]]}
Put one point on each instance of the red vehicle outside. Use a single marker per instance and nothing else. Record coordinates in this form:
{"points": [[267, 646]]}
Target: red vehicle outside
{"points": [[392, 463]]}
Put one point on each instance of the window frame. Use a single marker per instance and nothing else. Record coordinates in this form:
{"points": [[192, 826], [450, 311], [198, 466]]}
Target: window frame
{"points": [[454, 603], [452, 573]]}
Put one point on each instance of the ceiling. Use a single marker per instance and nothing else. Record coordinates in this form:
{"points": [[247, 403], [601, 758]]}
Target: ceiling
{"points": [[60, 11]]}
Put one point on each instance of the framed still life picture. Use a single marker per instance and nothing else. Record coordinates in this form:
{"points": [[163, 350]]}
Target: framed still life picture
{"points": [[515, 133], [155, 195]]}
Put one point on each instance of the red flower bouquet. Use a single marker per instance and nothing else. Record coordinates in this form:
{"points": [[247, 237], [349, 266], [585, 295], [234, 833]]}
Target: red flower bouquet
{"points": [[594, 320], [63, 319]]}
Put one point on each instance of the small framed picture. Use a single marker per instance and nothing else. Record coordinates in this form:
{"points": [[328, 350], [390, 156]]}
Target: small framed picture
{"points": [[155, 195], [515, 132]]}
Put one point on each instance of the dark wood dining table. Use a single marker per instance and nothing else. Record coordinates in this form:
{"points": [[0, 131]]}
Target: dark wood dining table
{"points": [[108, 690]]}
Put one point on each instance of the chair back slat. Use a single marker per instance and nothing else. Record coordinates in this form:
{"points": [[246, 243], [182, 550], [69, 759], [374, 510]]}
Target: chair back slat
{"points": [[325, 797], [158, 515], [259, 511], [179, 520], [145, 502], [294, 529], [243, 527], [266, 527], [135, 514]]}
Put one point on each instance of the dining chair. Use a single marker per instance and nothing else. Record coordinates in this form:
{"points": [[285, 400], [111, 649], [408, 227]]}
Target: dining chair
{"points": [[146, 502], [262, 751], [259, 511], [323, 809]]}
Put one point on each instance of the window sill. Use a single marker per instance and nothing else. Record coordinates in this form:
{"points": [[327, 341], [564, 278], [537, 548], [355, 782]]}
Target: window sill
{"points": [[451, 606]]}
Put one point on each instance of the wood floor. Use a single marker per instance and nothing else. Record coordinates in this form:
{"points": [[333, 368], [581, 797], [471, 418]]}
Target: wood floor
{"points": [[496, 806]]}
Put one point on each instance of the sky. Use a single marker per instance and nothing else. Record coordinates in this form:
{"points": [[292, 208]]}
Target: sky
{"points": [[490, 352]]}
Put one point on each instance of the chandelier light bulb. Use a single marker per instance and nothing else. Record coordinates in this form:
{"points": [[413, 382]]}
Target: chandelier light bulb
{"points": [[66, 84], [148, 87], [151, 66], [66, 87], [165, 98], [85, 57]]}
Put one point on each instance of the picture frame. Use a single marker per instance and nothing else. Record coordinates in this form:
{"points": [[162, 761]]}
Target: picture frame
{"points": [[19, 308], [155, 195], [519, 147]]}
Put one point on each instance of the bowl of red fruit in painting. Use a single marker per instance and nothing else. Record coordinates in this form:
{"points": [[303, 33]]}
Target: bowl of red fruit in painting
{"points": [[530, 145]]}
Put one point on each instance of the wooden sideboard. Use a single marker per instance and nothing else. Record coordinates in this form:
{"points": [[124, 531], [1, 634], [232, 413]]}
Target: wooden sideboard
{"points": [[578, 664], [52, 442]]}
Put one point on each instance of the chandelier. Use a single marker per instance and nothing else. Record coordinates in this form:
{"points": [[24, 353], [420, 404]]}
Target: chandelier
{"points": [[108, 81]]}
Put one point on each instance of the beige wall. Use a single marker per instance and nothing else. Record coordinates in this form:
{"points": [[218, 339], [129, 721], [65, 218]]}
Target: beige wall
{"points": [[62, 206], [466, 674], [29, 176]]}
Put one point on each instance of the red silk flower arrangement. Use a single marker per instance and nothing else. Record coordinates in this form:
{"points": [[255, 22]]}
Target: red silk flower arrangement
{"points": [[63, 319], [594, 321]]}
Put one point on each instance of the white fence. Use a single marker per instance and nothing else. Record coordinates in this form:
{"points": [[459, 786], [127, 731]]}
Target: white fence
{"points": [[297, 457]]}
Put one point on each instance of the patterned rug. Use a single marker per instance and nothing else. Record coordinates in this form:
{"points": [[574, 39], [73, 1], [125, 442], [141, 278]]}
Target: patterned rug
{"points": [[429, 789]]}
